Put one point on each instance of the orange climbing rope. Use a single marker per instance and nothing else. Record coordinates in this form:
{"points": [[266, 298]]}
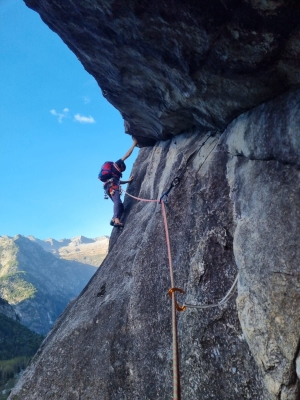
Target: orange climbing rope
{"points": [[137, 198], [175, 305], [176, 373]]}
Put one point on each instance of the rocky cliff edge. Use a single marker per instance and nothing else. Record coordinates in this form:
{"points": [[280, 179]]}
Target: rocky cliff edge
{"points": [[235, 211]]}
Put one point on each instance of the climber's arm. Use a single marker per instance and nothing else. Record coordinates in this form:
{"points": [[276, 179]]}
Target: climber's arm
{"points": [[130, 180], [128, 154]]}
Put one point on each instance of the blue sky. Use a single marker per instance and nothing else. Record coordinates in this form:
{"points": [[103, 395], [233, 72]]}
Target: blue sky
{"points": [[56, 130]]}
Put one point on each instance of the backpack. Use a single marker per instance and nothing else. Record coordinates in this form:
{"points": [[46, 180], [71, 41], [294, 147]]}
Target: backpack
{"points": [[108, 170]]}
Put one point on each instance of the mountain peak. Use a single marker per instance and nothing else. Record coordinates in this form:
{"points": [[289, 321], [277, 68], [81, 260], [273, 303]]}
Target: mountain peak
{"points": [[81, 240]]}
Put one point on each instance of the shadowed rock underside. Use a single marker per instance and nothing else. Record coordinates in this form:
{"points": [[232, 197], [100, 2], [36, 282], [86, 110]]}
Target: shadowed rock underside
{"points": [[171, 66], [236, 209], [223, 73]]}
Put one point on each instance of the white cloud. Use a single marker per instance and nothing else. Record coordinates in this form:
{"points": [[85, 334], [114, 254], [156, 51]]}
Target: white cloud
{"points": [[77, 117], [84, 120], [86, 99], [60, 116]]}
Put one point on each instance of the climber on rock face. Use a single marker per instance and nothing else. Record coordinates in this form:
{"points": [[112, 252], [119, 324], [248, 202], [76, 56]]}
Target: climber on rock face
{"points": [[110, 174]]}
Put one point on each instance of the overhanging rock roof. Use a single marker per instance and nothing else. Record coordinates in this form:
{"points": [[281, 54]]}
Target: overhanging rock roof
{"points": [[171, 66]]}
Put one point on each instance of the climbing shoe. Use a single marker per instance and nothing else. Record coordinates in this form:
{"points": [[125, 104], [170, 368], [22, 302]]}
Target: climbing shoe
{"points": [[117, 225]]}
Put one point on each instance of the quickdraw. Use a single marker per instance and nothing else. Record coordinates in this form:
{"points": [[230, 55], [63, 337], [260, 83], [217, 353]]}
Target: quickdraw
{"points": [[172, 290], [175, 182]]}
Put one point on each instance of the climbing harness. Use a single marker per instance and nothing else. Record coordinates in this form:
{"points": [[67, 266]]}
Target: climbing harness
{"points": [[175, 306]]}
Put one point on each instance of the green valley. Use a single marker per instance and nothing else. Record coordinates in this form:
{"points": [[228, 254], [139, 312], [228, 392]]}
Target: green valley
{"points": [[18, 345]]}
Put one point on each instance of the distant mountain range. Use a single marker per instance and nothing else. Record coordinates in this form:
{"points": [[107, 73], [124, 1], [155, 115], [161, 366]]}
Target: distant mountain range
{"points": [[38, 278], [80, 248], [39, 284]]}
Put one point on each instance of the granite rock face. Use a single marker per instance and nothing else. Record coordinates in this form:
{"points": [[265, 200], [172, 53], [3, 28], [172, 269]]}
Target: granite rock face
{"points": [[125, 349], [264, 177], [171, 66], [212, 87], [235, 210]]}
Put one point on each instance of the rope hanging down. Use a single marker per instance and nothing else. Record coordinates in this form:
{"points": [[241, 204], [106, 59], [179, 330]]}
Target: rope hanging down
{"points": [[228, 295], [176, 375], [175, 306], [176, 372]]}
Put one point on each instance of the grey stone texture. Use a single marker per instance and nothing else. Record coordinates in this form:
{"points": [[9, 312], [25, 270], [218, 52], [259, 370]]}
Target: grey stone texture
{"points": [[236, 209], [174, 65], [224, 73], [264, 178]]}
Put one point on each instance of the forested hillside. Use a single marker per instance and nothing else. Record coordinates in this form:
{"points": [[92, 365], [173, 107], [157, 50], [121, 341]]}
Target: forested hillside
{"points": [[18, 345], [36, 283]]}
